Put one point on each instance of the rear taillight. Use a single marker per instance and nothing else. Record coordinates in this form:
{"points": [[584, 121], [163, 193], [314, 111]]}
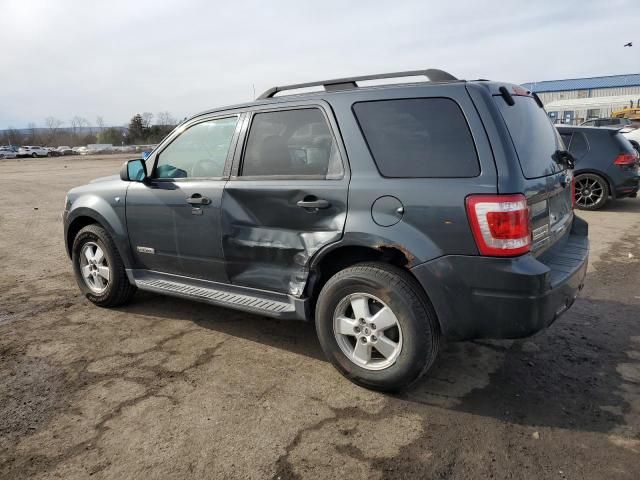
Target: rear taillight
{"points": [[500, 224], [625, 159], [573, 192]]}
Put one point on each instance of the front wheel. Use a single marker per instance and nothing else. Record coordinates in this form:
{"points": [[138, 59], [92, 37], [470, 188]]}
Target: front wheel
{"points": [[592, 191], [34, 155], [98, 268], [376, 326]]}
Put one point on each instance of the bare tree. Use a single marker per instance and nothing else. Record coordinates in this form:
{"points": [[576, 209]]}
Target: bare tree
{"points": [[34, 133], [165, 119], [13, 136], [76, 123], [100, 123], [53, 125], [147, 117], [85, 123]]}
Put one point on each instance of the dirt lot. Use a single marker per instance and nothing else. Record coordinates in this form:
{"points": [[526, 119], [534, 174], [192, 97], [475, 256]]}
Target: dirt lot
{"points": [[165, 388]]}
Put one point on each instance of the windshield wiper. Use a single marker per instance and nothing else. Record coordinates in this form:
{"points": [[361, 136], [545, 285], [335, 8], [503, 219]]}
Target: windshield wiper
{"points": [[564, 157]]}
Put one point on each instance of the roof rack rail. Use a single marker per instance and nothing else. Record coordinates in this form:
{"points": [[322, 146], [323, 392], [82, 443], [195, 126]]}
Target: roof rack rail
{"points": [[433, 74]]}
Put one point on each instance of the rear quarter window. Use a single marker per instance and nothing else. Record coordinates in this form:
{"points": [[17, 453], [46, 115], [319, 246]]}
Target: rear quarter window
{"points": [[579, 145], [418, 138]]}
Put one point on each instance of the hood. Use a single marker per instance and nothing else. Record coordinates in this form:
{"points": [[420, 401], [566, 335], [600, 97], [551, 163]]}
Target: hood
{"points": [[105, 179]]}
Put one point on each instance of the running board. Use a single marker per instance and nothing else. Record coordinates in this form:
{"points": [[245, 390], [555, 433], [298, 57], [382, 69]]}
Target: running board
{"points": [[277, 305]]}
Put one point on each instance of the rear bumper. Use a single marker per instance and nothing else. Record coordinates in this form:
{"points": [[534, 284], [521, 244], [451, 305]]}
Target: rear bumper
{"points": [[626, 184], [486, 297]]}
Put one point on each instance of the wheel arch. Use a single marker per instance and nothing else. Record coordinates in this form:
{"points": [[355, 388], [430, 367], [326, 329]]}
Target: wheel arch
{"points": [[600, 174], [80, 217], [339, 256]]}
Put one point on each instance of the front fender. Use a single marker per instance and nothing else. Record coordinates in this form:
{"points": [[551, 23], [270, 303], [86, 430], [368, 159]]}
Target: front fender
{"points": [[109, 213]]}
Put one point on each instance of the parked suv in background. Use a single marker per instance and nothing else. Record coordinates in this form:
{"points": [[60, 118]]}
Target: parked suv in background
{"points": [[392, 216], [606, 164], [32, 151]]}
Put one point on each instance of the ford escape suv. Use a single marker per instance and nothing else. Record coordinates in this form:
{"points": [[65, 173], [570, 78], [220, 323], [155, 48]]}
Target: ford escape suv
{"points": [[392, 215]]}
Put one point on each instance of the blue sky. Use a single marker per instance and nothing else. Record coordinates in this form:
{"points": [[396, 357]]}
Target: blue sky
{"points": [[114, 58]]}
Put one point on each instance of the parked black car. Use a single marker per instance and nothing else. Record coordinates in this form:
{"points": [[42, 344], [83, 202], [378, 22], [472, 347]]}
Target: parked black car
{"points": [[391, 216], [606, 165]]}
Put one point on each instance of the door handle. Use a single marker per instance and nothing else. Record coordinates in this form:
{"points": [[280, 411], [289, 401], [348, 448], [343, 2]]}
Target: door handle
{"points": [[197, 199], [313, 202]]}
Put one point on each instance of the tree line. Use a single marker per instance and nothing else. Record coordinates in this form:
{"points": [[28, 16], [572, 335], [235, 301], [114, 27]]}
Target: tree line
{"points": [[145, 128]]}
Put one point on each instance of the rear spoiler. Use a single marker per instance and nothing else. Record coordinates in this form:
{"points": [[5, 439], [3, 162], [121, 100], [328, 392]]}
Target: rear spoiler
{"points": [[519, 92]]}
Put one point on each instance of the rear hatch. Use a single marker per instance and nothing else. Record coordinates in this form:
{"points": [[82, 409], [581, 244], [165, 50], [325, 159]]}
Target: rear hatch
{"points": [[547, 180]]}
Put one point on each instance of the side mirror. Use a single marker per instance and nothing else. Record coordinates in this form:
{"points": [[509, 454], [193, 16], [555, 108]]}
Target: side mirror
{"points": [[134, 171]]}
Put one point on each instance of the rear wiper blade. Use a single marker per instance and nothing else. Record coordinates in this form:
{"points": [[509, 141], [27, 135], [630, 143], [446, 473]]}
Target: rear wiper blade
{"points": [[564, 157]]}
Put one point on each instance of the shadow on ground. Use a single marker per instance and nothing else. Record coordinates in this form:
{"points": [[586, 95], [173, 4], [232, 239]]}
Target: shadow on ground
{"points": [[562, 377]]}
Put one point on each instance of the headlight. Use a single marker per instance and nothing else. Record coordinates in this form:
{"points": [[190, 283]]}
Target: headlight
{"points": [[67, 203]]}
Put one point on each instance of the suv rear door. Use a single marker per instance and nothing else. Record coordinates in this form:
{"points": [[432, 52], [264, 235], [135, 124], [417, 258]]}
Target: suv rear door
{"points": [[547, 183], [287, 195]]}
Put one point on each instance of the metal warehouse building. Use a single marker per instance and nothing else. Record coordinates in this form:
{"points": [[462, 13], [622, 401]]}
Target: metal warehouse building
{"points": [[575, 100]]}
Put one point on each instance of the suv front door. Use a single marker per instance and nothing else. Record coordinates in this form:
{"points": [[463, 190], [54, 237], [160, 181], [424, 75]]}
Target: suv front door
{"points": [[286, 198], [173, 217]]}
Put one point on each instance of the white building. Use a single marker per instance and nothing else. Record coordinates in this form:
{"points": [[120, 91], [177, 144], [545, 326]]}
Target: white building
{"points": [[575, 100]]}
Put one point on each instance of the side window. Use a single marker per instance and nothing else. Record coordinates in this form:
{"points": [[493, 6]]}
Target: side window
{"points": [[199, 151], [292, 143], [579, 146], [418, 137]]}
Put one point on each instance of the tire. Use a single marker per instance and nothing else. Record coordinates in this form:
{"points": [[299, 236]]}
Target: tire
{"points": [[592, 191], [417, 335], [34, 155], [117, 290]]}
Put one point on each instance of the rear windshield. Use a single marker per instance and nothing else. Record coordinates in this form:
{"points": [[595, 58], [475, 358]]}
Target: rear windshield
{"points": [[533, 136], [418, 138]]}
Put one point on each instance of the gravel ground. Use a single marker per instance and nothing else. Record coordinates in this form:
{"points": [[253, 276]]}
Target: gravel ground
{"points": [[165, 388]]}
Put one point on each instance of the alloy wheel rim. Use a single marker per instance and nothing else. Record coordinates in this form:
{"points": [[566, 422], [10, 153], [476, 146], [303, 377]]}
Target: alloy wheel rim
{"points": [[589, 192], [367, 331], [94, 267]]}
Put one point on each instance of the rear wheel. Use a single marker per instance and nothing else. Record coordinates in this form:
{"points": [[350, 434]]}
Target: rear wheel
{"points": [[592, 191], [376, 326], [98, 268], [34, 155]]}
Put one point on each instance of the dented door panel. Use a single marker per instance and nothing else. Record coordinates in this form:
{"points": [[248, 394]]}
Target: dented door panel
{"points": [[269, 240]]}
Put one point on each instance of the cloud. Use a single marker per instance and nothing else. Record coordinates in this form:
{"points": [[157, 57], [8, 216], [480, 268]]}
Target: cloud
{"points": [[116, 58]]}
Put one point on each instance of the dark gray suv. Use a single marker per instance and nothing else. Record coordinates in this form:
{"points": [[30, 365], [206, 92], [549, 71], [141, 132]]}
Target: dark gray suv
{"points": [[392, 216]]}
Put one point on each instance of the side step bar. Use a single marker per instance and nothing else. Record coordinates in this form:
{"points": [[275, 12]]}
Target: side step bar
{"points": [[260, 302]]}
